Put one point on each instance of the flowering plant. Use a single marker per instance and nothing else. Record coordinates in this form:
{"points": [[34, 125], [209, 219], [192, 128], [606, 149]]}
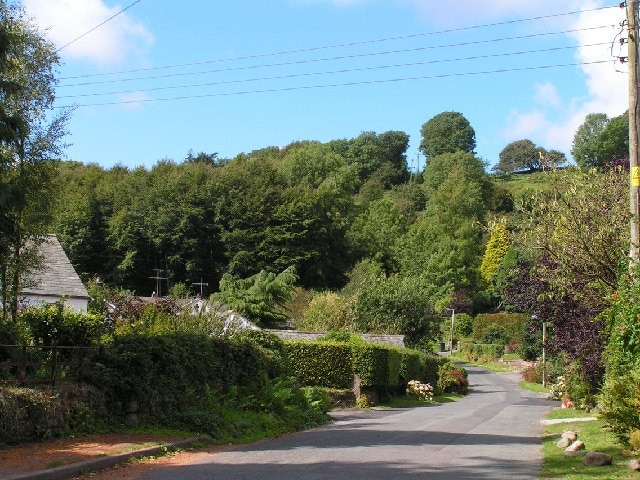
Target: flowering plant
{"points": [[424, 391], [558, 390]]}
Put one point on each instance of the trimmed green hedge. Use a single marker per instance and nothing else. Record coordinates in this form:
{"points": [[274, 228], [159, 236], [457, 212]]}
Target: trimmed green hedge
{"points": [[320, 364], [165, 374], [179, 381], [380, 367], [372, 363], [482, 351]]}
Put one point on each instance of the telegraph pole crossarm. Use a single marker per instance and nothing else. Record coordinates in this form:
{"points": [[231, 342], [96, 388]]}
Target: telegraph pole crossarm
{"points": [[201, 284]]}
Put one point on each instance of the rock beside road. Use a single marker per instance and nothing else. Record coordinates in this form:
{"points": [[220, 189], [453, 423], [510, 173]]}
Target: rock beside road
{"points": [[596, 459]]}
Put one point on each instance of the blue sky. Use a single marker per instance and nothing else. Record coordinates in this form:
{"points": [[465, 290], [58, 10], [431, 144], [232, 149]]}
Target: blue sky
{"points": [[236, 76]]}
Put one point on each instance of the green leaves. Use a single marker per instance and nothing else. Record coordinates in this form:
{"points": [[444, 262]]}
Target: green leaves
{"points": [[261, 298], [599, 140], [447, 132], [30, 138]]}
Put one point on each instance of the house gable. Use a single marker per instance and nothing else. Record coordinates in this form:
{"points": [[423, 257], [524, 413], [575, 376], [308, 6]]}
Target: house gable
{"points": [[56, 279]]}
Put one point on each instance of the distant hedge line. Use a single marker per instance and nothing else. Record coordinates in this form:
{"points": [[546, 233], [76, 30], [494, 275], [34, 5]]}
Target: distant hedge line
{"points": [[484, 352]]}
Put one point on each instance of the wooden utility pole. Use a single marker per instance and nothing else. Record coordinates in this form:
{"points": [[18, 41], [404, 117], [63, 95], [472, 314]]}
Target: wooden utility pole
{"points": [[158, 280], [201, 284], [634, 116]]}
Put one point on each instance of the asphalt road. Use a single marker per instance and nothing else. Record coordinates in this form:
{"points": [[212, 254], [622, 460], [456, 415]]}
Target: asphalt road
{"points": [[493, 433]]}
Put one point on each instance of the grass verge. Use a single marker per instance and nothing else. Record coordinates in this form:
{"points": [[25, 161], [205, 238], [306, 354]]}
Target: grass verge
{"points": [[492, 366], [595, 436], [533, 387]]}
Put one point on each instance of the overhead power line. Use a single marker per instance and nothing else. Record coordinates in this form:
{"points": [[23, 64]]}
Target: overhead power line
{"points": [[345, 84], [331, 72], [341, 45], [98, 26], [291, 73], [341, 57]]}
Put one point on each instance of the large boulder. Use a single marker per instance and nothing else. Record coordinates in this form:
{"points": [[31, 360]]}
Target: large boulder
{"points": [[596, 459]]}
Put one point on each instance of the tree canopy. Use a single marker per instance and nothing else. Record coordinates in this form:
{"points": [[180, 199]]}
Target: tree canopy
{"points": [[525, 156], [447, 132], [30, 139], [518, 156], [600, 141]]}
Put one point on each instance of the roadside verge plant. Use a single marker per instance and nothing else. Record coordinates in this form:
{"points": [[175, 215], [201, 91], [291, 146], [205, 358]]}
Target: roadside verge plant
{"points": [[452, 379], [422, 391]]}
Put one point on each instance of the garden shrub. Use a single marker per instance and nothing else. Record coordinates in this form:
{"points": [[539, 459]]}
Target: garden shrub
{"points": [[33, 414], [533, 373], [578, 388], [634, 439], [327, 311], [57, 324], [422, 391], [318, 398], [363, 402], [452, 379], [620, 393]]}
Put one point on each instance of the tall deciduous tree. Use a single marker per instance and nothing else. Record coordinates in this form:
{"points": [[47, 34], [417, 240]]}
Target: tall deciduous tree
{"points": [[376, 231], [524, 155], [447, 132], [521, 155], [585, 148], [444, 244], [599, 141], [30, 139]]}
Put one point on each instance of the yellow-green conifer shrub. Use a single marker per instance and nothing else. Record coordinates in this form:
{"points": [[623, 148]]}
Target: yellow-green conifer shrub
{"points": [[497, 248]]}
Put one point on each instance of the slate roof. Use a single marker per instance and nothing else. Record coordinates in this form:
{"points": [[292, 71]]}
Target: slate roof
{"points": [[57, 277]]}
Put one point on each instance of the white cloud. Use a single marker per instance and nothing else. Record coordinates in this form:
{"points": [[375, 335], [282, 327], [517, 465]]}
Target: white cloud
{"points": [[606, 84], [525, 125], [547, 94], [553, 121], [65, 20]]}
